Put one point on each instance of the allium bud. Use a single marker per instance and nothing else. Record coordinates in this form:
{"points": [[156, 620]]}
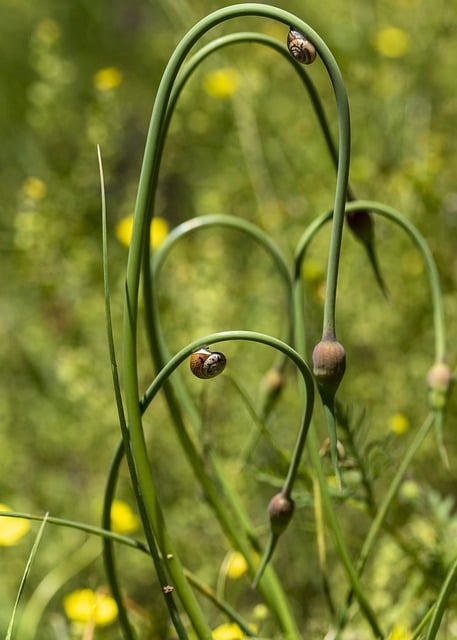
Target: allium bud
{"points": [[280, 510], [439, 379], [362, 225], [273, 382], [329, 365]]}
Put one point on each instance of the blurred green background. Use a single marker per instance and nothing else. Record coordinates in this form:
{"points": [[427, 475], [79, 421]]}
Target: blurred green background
{"points": [[76, 74]]}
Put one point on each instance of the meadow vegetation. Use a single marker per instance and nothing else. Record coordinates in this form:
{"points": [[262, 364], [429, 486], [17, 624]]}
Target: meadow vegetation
{"points": [[371, 548]]}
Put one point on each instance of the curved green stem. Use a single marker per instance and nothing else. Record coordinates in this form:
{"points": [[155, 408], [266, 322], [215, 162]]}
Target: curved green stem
{"points": [[270, 588], [139, 247], [230, 222], [272, 43], [432, 272], [158, 346], [306, 238], [225, 336], [150, 168], [326, 502]]}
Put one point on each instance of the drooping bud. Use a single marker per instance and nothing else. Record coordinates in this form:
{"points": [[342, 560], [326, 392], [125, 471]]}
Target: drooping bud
{"points": [[361, 224], [270, 389], [439, 380], [280, 511], [273, 382], [329, 365]]}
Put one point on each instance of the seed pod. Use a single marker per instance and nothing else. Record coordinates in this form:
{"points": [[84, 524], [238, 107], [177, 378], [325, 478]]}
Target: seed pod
{"points": [[280, 511], [329, 365], [207, 364], [439, 379], [300, 47]]}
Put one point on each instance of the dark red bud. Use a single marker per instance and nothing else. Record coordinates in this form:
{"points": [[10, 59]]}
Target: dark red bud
{"points": [[362, 226]]}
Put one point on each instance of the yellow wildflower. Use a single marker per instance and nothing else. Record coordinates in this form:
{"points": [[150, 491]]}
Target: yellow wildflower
{"points": [[409, 491], [236, 565], [228, 631], [399, 424], [123, 520], [221, 83], [11, 529], [34, 188], [392, 42], [85, 605], [107, 79], [260, 612], [159, 231], [399, 632]]}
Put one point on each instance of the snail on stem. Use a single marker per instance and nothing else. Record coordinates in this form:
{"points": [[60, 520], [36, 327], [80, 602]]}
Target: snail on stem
{"points": [[207, 364]]}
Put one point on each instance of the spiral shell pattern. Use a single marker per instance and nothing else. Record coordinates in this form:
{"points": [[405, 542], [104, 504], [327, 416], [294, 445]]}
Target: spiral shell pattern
{"points": [[300, 47], [207, 364]]}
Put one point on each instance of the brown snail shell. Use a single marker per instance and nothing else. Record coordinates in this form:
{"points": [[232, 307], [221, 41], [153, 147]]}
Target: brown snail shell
{"points": [[207, 364], [300, 47]]}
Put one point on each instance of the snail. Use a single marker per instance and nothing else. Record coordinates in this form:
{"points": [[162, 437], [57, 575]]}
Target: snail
{"points": [[300, 47], [207, 364]]}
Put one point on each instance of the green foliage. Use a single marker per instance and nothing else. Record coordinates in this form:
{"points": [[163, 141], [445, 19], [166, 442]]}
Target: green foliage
{"points": [[80, 74]]}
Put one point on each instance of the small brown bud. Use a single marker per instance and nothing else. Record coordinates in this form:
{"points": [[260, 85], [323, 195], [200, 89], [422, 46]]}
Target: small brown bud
{"points": [[273, 381], [439, 379], [329, 365], [280, 510]]}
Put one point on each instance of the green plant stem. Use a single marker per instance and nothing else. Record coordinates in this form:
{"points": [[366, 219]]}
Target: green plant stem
{"points": [[80, 526], [139, 246], [221, 604], [108, 550], [221, 220], [25, 575], [432, 272], [302, 246], [269, 587], [158, 347], [225, 336], [326, 502], [272, 43], [234, 523], [385, 505], [330, 421], [442, 601], [332, 521], [73, 563], [392, 491]]}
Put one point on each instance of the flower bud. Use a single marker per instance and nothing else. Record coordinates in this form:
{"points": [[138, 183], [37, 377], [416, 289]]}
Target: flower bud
{"points": [[273, 382], [280, 510], [329, 364], [362, 225], [439, 379]]}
